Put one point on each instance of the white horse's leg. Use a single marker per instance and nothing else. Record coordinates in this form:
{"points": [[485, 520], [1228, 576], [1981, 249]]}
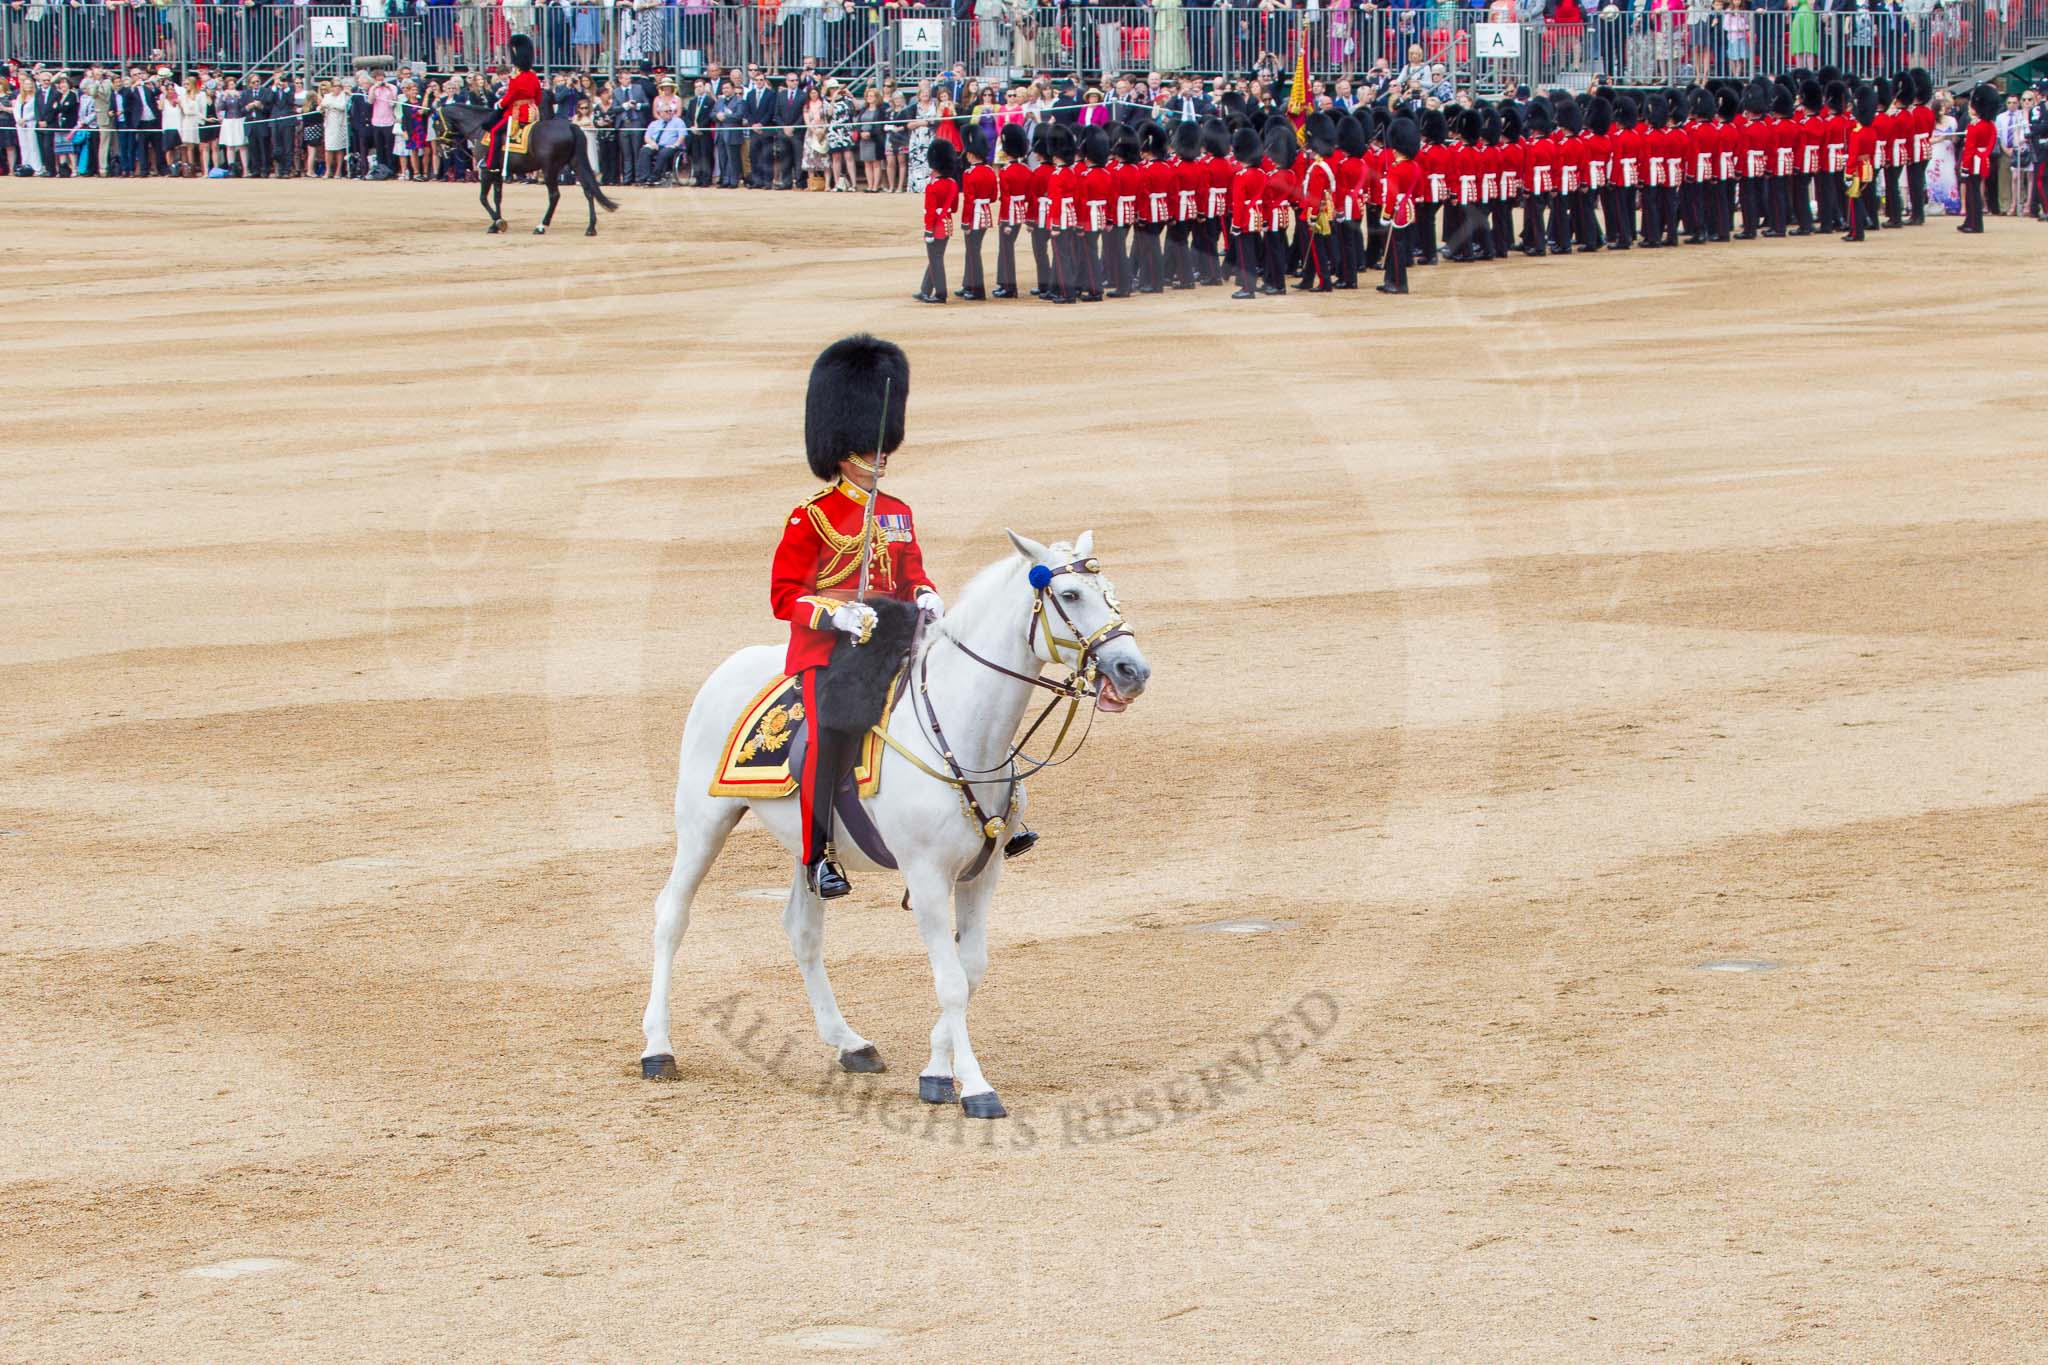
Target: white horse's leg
{"points": [[931, 901], [970, 934], [701, 828], [804, 919]]}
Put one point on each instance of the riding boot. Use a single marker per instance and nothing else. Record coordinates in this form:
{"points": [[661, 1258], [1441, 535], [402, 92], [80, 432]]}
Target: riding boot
{"points": [[831, 752]]}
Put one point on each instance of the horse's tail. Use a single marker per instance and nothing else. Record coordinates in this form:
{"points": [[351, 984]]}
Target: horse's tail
{"points": [[586, 176]]}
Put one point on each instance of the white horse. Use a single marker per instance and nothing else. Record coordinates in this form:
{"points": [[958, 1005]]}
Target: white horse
{"points": [[974, 676]]}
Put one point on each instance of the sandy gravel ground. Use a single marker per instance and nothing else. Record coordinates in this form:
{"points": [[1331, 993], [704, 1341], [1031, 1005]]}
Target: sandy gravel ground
{"points": [[1524, 645]]}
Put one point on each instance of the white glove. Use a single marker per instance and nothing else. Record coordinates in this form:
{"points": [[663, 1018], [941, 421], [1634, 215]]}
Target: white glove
{"points": [[854, 618], [931, 604]]}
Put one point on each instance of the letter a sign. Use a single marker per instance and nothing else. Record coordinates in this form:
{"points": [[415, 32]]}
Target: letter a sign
{"points": [[920, 35], [1497, 42]]}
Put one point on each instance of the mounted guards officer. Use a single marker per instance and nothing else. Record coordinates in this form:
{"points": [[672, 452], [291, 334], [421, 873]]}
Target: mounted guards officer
{"points": [[520, 104], [853, 421]]}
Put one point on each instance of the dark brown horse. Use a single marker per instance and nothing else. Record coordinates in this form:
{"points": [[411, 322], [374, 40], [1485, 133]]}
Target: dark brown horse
{"points": [[552, 146]]}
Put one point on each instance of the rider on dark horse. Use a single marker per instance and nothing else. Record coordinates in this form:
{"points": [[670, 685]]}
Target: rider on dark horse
{"points": [[521, 101]]}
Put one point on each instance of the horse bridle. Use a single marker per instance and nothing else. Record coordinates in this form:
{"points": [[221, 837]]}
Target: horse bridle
{"points": [[1079, 685]]}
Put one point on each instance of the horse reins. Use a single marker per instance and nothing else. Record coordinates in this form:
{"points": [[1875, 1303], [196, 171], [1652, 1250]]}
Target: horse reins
{"points": [[1079, 685]]}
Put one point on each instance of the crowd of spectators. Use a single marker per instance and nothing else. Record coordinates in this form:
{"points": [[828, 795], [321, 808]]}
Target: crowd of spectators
{"points": [[750, 128]]}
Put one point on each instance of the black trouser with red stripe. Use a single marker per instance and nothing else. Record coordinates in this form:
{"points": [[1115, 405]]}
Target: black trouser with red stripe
{"points": [[826, 760], [1315, 266], [1398, 247], [1006, 257]]}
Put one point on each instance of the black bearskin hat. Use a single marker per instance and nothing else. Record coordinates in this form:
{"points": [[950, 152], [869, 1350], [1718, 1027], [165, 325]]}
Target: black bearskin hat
{"points": [[1985, 103], [1322, 133], [972, 141], [1655, 112], [843, 408], [1728, 103], [1214, 140], [1599, 114], [1756, 101], [1827, 76], [1469, 127], [1510, 123], [1059, 144], [521, 50], [1187, 142], [1569, 117], [1866, 105], [1367, 122], [1923, 85], [943, 158], [1041, 139], [1123, 144], [1489, 128], [1405, 138], [1781, 102], [1810, 96], [1884, 93], [1540, 122], [1246, 147], [1016, 143], [1280, 145], [1095, 146], [1152, 141], [1234, 103], [1836, 97], [1351, 136], [1435, 128], [1626, 111]]}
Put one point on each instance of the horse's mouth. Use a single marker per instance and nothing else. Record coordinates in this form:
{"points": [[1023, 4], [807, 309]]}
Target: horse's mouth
{"points": [[1107, 698]]}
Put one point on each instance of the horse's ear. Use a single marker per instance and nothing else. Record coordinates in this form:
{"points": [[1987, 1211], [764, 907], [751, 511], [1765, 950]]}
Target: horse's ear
{"points": [[1084, 545], [1031, 550]]}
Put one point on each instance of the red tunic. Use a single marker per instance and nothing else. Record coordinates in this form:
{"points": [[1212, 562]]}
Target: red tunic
{"points": [[1216, 175], [1014, 187], [1188, 182], [1979, 141], [1066, 198], [978, 198], [1093, 198], [523, 88], [1398, 192], [941, 197], [1161, 185], [1813, 137], [1129, 179], [1041, 195], [817, 565], [1247, 200], [1283, 194], [1757, 141]]}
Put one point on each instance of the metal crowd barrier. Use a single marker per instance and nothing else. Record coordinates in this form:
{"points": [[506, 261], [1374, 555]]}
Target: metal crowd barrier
{"points": [[862, 41]]}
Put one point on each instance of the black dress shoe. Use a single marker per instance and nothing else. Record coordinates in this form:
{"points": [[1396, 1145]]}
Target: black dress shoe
{"points": [[1002, 293], [1772, 232], [1019, 844], [974, 294], [1242, 294], [1745, 236], [929, 298], [1116, 294], [1037, 293], [1389, 289], [826, 881]]}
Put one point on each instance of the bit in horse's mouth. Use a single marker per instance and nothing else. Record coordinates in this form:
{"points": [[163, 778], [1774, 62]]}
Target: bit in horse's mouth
{"points": [[1107, 698]]}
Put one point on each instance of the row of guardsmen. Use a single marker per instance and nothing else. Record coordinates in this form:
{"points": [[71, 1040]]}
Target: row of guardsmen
{"points": [[1112, 212]]}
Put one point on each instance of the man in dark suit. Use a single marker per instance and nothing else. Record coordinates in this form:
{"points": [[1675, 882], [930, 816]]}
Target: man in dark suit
{"points": [[631, 115], [757, 111], [789, 127], [700, 118]]}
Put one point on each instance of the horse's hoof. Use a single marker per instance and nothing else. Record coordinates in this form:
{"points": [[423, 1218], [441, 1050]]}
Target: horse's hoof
{"points": [[590, 232], [541, 231], [936, 1089], [865, 1062], [660, 1067], [984, 1106]]}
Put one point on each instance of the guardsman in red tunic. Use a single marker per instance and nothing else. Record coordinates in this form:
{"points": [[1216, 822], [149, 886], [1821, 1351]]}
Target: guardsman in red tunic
{"points": [[1397, 197], [1862, 167], [1834, 163], [1013, 190], [817, 565], [1980, 142], [1094, 199], [978, 212], [1126, 179], [941, 200], [1155, 185], [1282, 202], [1812, 141], [1757, 142], [1068, 281], [521, 101], [1041, 211], [1350, 162], [1539, 186], [1210, 177], [1920, 119], [1247, 210], [1319, 204]]}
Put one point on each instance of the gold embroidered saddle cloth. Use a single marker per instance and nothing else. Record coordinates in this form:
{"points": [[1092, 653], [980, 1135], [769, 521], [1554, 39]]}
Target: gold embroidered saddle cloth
{"points": [[764, 751]]}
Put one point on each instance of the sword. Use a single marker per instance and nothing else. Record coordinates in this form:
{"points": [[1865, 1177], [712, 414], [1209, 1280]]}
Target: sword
{"points": [[867, 523]]}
